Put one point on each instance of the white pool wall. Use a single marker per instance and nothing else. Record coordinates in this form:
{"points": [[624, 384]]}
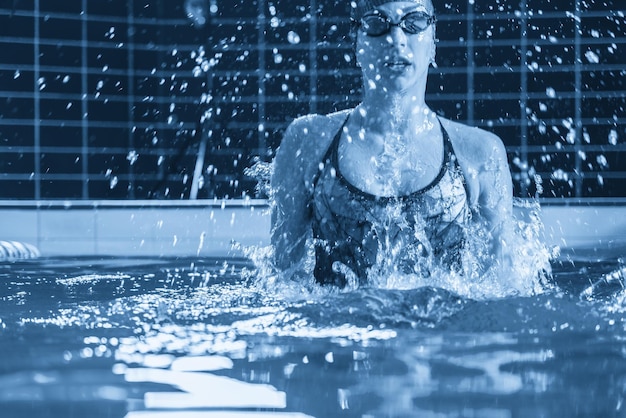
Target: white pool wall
{"points": [[221, 228], [136, 228], [599, 224]]}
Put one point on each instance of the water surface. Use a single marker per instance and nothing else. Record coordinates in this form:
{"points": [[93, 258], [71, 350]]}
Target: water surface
{"points": [[166, 337]]}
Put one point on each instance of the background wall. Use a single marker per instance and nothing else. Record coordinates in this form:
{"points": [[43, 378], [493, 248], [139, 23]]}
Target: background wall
{"points": [[142, 99]]}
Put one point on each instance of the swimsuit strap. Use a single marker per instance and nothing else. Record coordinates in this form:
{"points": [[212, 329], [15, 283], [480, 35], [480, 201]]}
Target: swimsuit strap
{"points": [[329, 151], [331, 157]]}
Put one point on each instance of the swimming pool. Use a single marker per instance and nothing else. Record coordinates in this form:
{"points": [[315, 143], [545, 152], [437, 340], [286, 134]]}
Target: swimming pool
{"points": [[198, 337]]}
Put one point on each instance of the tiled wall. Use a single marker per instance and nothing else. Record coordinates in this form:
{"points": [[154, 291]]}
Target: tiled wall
{"points": [[229, 228], [103, 99], [141, 228]]}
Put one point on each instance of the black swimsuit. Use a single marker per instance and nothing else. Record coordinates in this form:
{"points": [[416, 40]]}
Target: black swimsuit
{"points": [[355, 232]]}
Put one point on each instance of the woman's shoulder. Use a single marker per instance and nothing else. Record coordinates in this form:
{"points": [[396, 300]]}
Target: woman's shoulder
{"points": [[311, 134], [306, 140], [316, 124], [472, 141]]}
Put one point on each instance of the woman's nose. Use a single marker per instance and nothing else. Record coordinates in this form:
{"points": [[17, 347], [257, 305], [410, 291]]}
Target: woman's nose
{"points": [[396, 36]]}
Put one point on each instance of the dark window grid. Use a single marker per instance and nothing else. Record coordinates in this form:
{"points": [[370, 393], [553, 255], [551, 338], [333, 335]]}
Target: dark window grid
{"points": [[560, 176], [96, 47], [107, 189], [16, 163], [119, 165], [79, 177], [609, 122], [122, 19], [570, 165], [21, 55], [52, 137], [598, 54], [185, 51], [62, 189], [604, 186], [61, 163], [94, 97], [158, 75], [593, 100], [565, 12], [17, 189], [16, 136], [548, 138], [146, 150], [605, 135], [16, 24], [603, 6], [99, 124], [597, 26], [603, 80], [604, 161], [51, 82], [552, 149]]}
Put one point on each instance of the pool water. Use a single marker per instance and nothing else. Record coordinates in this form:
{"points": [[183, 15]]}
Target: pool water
{"points": [[185, 337]]}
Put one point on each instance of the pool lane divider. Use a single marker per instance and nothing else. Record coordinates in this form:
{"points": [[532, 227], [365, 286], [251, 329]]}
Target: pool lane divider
{"points": [[16, 250]]}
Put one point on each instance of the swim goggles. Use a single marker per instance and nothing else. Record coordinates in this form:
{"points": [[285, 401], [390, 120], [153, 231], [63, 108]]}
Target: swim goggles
{"points": [[378, 24]]}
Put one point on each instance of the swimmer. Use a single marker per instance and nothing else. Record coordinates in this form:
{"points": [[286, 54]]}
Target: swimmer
{"points": [[388, 181]]}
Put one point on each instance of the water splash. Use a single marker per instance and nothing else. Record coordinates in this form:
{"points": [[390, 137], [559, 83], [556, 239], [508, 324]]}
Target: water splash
{"points": [[261, 171], [607, 285], [524, 271]]}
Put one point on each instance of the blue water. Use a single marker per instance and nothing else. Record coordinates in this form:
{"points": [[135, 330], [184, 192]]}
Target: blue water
{"points": [[156, 338]]}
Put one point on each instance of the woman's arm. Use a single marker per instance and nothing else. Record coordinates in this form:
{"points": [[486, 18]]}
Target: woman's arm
{"points": [[290, 198], [495, 197], [483, 158]]}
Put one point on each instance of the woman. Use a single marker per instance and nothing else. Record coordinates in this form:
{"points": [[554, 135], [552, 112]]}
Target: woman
{"points": [[389, 185]]}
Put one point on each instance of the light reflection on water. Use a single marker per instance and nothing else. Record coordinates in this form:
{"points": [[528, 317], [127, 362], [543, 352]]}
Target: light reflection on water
{"points": [[160, 338]]}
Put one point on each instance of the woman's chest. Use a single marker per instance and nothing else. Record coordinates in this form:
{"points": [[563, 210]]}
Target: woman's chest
{"points": [[390, 167]]}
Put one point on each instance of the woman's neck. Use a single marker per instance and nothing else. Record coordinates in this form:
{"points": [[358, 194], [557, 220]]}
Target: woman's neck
{"points": [[394, 113]]}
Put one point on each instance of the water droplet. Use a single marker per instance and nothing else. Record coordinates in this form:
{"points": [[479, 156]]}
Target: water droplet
{"points": [[132, 156], [293, 38], [559, 174], [592, 57]]}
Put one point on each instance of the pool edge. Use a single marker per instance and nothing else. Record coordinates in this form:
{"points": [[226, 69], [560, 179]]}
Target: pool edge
{"points": [[226, 227]]}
